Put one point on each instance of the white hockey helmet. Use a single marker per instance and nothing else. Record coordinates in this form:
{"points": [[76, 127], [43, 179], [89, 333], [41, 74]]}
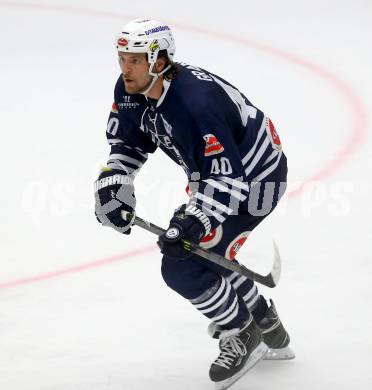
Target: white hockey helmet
{"points": [[147, 36]]}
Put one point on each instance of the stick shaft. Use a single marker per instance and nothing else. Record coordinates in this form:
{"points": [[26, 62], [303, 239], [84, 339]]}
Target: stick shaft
{"points": [[268, 280]]}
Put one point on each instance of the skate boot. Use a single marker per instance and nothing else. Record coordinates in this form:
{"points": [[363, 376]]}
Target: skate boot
{"points": [[275, 336], [240, 349]]}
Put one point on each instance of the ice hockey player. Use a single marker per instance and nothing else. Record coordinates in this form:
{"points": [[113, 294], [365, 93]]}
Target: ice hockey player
{"points": [[236, 169]]}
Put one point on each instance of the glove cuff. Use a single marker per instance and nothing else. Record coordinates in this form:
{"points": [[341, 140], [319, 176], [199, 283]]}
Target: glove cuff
{"points": [[201, 217], [107, 179]]}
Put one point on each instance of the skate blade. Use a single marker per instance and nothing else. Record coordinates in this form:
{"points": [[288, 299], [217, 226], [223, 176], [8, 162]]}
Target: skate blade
{"points": [[256, 355], [279, 354]]}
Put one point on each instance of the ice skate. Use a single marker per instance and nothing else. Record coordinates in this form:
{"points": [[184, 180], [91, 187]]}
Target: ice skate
{"points": [[240, 351], [275, 336]]}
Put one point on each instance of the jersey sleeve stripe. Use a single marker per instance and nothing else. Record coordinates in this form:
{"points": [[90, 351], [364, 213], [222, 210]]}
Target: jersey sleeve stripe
{"points": [[136, 150], [223, 188], [213, 203], [114, 141], [257, 156], [122, 164], [249, 155], [272, 155], [116, 164], [125, 158], [210, 213], [141, 152], [268, 170], [235, 183]]}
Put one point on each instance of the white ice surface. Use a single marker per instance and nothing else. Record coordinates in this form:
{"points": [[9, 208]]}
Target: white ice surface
{"points": [[118, 326]]}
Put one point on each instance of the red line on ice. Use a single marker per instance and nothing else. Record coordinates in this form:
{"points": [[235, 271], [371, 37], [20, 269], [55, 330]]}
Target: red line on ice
{"points": [[79, 268], [341, 157]]}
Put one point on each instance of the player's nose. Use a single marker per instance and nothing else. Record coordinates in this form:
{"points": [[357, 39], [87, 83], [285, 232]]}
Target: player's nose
{"points": [[125, 68]]}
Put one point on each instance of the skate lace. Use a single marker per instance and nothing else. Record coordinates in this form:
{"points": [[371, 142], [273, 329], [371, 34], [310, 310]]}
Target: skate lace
{"points": [[231, 348]]}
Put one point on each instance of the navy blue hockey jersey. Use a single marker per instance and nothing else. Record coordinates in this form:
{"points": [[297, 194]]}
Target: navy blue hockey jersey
{"points": [[207, 126]]}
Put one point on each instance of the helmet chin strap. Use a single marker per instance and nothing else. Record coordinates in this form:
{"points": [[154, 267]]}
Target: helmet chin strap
{"points": [[153, 81], [155, 76]]}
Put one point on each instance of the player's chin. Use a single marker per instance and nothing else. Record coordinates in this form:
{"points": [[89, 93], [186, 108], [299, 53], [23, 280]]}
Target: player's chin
{"points": [[131, 87]]}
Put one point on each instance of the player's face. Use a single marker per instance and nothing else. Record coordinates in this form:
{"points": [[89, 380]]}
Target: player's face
{"points": [[135, 68]]}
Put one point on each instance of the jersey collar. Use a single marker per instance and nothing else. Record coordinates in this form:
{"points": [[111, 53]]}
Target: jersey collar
{"points": [[166, 85]]}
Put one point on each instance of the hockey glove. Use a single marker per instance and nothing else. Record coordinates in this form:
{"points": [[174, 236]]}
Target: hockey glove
{"points": [[114, 193], [183, 229]]}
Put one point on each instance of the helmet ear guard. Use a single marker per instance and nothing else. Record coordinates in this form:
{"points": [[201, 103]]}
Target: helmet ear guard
{"points": [[154, 48]]}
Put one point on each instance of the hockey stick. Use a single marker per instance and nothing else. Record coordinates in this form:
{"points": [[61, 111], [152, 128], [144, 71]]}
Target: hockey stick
{"points": [[269, 280]]}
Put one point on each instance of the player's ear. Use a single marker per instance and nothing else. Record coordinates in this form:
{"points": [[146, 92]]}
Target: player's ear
{"points": [[160, 64]]}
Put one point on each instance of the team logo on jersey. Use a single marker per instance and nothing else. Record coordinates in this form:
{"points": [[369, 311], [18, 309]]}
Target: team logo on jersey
{"points": [[235, 245], [114, 108], [212, 145], [127, 104], [122, 42], [274, 137]]}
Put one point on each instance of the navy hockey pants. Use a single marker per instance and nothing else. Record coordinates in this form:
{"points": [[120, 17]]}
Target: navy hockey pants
{"points": [[223, 296]]}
